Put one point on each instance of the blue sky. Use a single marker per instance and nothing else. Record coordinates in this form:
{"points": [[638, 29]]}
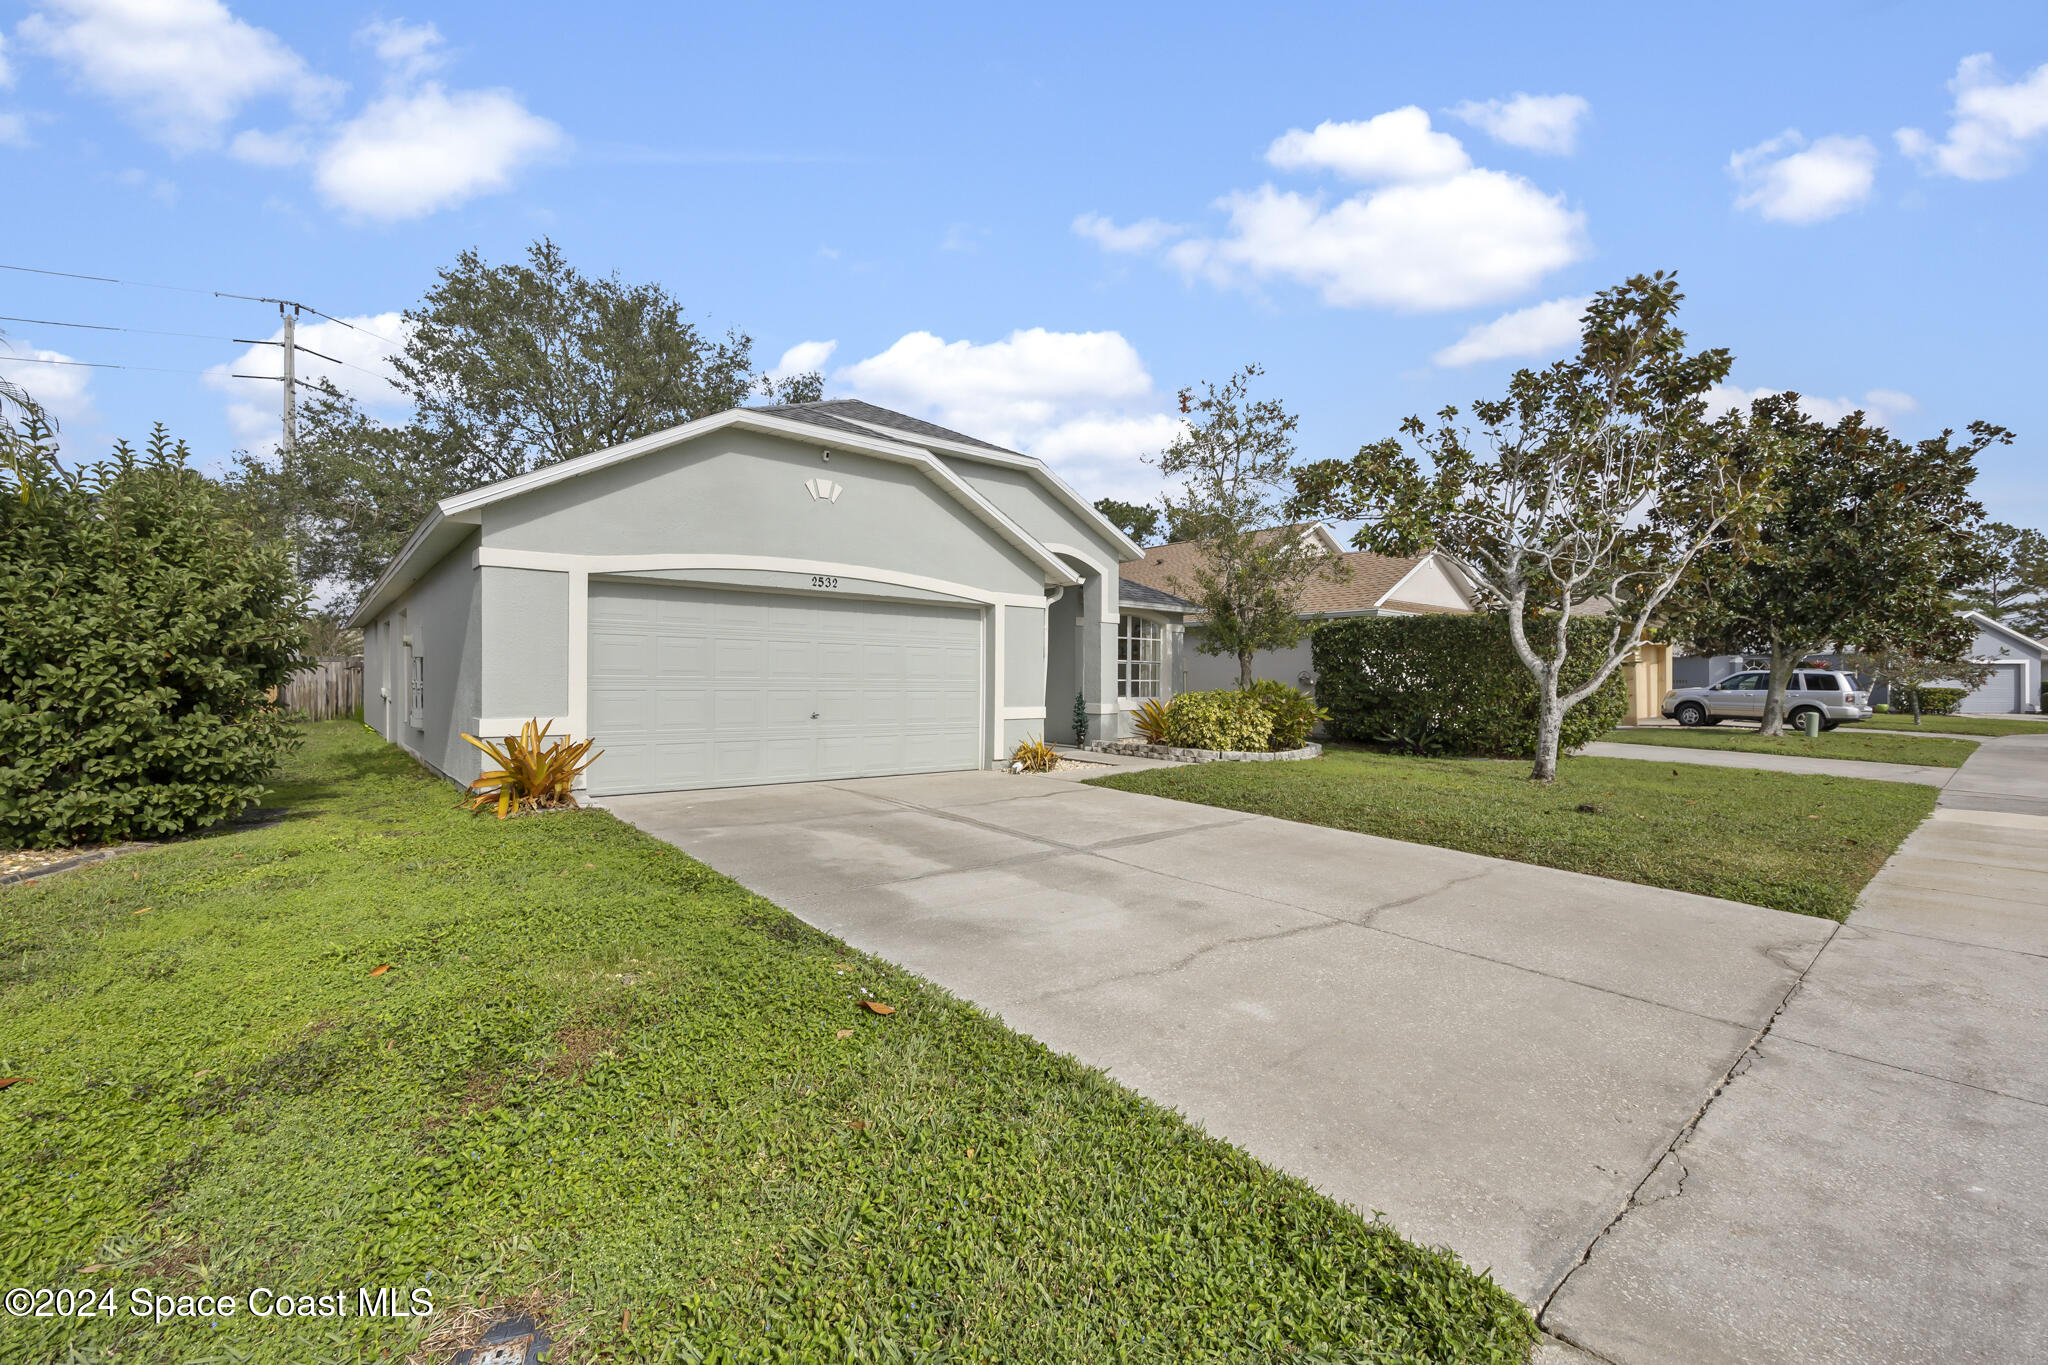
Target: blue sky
{"points": [[1038, 228]]}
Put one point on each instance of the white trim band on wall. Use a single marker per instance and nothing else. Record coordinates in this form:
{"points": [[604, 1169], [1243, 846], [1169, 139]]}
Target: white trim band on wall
{"points": [[558, 562]]}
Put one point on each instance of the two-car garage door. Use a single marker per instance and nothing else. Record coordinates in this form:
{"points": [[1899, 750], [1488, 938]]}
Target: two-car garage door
{"points": [[698, 687]]}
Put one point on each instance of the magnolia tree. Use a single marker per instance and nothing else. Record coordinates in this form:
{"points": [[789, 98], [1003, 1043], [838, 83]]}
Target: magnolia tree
{"points": [[1588, 490], [1866, 539], [1234, 460]]}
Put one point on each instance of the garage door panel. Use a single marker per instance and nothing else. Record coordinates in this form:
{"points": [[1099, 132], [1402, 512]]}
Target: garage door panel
{"points": [[702, 687]]}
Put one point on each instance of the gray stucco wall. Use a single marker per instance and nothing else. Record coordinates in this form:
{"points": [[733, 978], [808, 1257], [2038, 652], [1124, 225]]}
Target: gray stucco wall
{"points": [[1023, 657], [1026, 501], [525, 636], [443, 613], [735, 492], [1208, 672], [1062, 666]]}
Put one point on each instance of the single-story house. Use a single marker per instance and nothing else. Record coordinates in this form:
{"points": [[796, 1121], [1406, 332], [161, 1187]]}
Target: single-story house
{"points": [[773, 594], [2014, 687], [1376, 585]]}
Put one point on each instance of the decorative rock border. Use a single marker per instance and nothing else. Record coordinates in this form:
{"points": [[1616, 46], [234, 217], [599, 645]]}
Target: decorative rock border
{"points": [[1138, 748], [97, 855]]}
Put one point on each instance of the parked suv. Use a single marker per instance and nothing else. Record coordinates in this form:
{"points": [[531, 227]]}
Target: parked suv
{"points": [[1741, 697]]}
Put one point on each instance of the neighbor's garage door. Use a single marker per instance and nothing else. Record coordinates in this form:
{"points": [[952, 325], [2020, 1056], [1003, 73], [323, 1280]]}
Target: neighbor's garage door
{"points": [[693, 687], [2001, 694]]}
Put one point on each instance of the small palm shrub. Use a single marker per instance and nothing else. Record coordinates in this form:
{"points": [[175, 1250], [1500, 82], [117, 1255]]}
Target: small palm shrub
{"points": [[1218, 720], [1150, 722], [532, 773], [1294, 713], [1934, 701], [1036, 756]]}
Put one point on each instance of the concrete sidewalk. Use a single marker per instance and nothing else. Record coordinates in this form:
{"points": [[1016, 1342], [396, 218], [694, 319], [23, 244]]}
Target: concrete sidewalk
{"points": [[1495, 1055], [1773, 763], [1873, 1185]]}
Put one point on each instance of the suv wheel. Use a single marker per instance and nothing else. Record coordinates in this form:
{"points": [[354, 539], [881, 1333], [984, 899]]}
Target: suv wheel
{"points": [[1797, 720], [1690, 713]]}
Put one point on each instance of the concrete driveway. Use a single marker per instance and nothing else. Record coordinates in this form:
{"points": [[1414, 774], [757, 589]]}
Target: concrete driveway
{"points": [[1494, 1055]]}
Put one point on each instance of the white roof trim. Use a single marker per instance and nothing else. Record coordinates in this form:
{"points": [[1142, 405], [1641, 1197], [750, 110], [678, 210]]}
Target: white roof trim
{"points": [[1455, 577], [2003, 629], [1029, 463], [467, 507]]}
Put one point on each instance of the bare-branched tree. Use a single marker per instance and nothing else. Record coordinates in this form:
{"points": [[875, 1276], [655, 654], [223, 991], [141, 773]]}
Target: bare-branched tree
{"points": [[1588, 489]]}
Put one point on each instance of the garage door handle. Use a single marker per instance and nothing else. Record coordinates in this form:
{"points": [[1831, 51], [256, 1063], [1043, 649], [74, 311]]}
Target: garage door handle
{"points": [[814, 715]]}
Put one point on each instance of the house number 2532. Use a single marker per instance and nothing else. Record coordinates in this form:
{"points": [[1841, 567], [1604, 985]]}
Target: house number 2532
{"points": [[824, 580]]}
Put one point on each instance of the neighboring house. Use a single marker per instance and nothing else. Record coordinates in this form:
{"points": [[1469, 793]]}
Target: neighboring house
{"points": [[773, 594], [2014, 687], [1377, 585]]}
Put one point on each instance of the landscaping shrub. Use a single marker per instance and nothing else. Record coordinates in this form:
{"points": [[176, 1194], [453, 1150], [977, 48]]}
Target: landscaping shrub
{"points": [[1453, 684], [1934, 701], [1294, 713], [140, 628], [1218, 720]]}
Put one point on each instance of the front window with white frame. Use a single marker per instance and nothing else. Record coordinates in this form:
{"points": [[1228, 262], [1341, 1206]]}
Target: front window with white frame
{"points": [[1139, 653], [416, 693]]}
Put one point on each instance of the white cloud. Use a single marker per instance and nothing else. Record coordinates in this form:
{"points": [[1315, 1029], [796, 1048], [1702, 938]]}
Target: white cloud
{"points": [[803, 358], [286, 147], [1830, 177], [14, 131], [1991, 123], [1398, 145], [1081, 401], [65, 391], [1144, 235], [254, 404], [1541, 123], [1882, 406], [164, 191], [411, 50], [1475, 238], [412, 153], [6, 71], [1434, 232], [1545, 329], [182, 68]]}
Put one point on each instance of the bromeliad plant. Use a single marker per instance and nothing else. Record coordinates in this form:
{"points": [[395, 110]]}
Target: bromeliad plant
{"points": [[1034, 755], [1150, 721], [532, 773]]}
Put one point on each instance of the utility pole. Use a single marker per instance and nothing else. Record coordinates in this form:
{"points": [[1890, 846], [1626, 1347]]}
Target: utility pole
{"points": [[291, 413]]}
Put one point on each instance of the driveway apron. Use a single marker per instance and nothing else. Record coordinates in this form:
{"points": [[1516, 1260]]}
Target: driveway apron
{"points": [[1873, 1185], [1496, 1056]]}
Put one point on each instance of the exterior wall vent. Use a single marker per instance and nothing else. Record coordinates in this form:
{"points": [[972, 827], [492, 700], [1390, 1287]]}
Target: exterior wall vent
{"points": [[823, 490]]}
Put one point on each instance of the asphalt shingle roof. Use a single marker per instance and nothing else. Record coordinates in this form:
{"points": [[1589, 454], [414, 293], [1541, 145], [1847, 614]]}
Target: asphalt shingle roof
{"points": [[1144, 595], [1371, 578], [839, 412]]}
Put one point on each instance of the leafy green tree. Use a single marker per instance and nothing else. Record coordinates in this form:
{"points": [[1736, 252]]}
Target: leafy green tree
{"points": [[808, 387], [1904, 670], [2014, 584], [1235, 461], [140, 627], [1866, 541], [1589, 489], [524, 365], [1135, 519], [349, 492]]}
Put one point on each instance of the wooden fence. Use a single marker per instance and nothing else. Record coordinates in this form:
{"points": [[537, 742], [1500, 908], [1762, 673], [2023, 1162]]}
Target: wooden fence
{"points": [[331, 689]]}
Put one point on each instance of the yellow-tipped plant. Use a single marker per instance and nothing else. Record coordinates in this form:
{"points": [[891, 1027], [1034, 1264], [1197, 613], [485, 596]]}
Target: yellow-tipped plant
{"points": [[1037, 756], [1150, 720], [532, 774]]}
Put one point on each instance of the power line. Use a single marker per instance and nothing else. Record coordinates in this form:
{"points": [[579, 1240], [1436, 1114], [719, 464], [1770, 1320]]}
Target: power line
{"points": [[141, 331], [104, 365], [186, 289]]}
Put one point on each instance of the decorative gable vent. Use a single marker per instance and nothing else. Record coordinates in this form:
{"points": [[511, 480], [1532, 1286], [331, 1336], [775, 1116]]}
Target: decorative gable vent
{"points": [[823, 489]]}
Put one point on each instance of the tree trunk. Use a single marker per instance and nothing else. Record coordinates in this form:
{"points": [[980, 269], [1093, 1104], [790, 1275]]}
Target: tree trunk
{"points": [[1916, 706], [1549, 729], [1244, 671], [1782, 661]]}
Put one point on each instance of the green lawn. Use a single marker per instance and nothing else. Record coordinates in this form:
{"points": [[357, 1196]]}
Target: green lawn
{"points": [[600, 1078], [1789, 841], [1843, 743], [1989, 726]]}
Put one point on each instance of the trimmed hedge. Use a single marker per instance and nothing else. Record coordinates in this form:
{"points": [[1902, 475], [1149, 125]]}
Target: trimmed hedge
{"points": [[1934, 701], [1294, 713], [140, 627], [1453, 684]]}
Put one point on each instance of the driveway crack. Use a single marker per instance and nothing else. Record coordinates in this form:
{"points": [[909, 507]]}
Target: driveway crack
{"points": [[1644, 1194]]}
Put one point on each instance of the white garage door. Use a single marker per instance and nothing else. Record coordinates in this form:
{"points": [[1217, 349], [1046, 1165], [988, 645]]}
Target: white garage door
{"points": [[695, 687], [2002, 693]]}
